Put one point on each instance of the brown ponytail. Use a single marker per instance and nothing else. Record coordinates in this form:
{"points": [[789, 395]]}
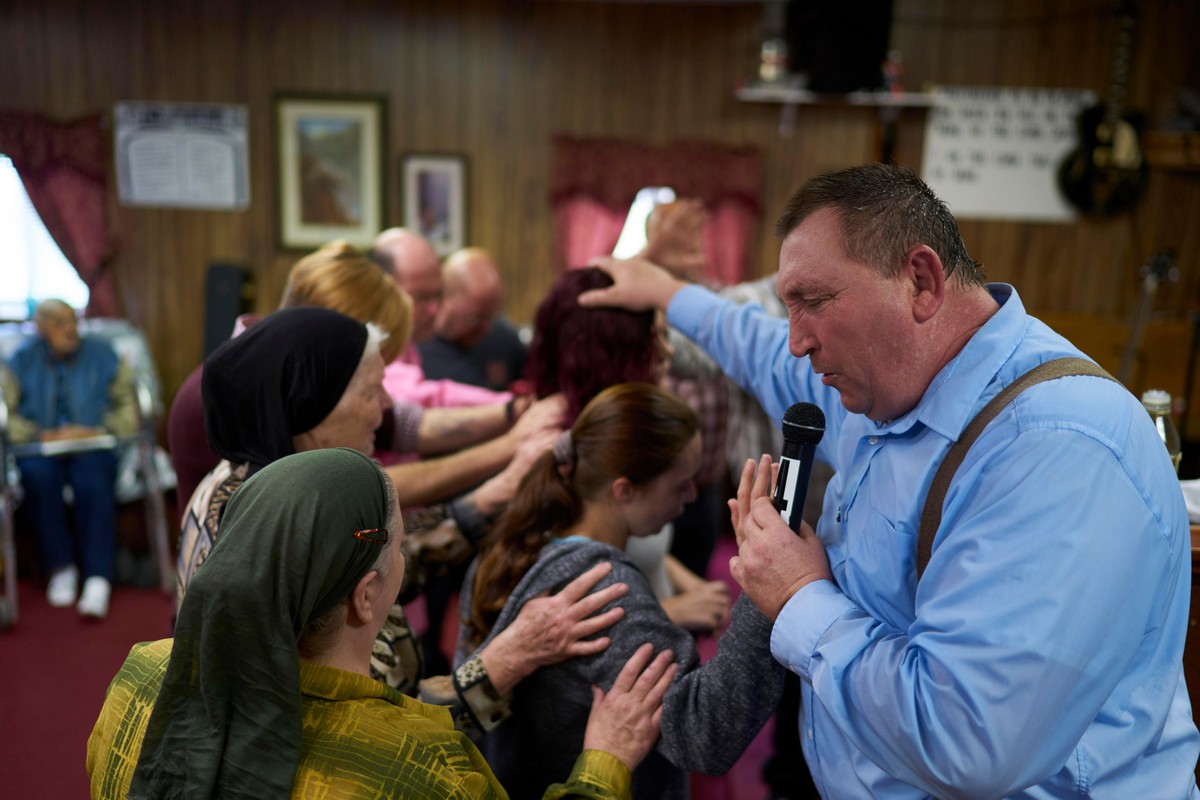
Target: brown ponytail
{"points": [[632, 430]]}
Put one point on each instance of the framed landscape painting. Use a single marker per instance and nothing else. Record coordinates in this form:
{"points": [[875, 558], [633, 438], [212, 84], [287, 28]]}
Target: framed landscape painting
{"points": [[331, 174]]}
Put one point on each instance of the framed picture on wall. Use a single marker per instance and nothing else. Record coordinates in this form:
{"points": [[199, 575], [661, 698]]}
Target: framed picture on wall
{"points": [[330, 154], [435, 199]]}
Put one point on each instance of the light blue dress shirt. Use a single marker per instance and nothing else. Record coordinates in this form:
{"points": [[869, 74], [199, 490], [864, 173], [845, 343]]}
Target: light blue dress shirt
{"points": [[1041, 654]]}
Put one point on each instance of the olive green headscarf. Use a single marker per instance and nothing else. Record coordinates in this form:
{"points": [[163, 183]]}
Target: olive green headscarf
{"points": [[227, 719]]}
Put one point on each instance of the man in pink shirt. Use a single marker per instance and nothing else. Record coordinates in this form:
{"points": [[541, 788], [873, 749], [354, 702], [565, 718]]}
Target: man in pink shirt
{"points": [[417, 269]]}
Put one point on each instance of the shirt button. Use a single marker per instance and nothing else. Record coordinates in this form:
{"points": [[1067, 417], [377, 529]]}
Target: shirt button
{"points": [[810, 733], [873, 440]]}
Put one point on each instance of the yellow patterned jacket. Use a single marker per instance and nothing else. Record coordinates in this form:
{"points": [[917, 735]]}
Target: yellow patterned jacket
{"points": [[361, 738]]}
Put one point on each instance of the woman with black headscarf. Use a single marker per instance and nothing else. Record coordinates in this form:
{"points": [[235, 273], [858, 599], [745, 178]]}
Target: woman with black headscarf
{"points": [[309, 378], [301, 378], [264, 690]]}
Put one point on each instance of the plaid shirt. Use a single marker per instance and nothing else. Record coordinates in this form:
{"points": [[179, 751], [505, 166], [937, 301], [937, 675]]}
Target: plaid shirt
{"points": [[709, 398], [360, 739]]}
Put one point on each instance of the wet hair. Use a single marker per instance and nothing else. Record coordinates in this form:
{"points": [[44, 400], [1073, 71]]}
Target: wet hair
{"points": [[884, 211], [632, 430], [580, 351], [343, 278]]}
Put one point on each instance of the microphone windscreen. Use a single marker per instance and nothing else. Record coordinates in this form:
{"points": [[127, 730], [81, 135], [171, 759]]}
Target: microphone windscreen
{"points": [[803, 423]]}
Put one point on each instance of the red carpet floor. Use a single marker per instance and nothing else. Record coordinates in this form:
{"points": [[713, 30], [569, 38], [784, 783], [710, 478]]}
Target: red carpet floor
{"points": [[54, 669]]}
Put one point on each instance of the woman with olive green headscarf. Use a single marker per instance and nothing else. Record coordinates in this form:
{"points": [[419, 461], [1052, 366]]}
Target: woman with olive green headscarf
{"points": [[265, 692]]}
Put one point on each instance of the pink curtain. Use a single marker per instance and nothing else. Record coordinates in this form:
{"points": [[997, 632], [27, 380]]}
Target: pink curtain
{"points": [[586, 228], [726, 240], [594, 182], [64, 168]]}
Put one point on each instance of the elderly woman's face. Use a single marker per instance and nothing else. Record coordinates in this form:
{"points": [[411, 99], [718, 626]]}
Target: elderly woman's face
{"points": [[353, 421]]}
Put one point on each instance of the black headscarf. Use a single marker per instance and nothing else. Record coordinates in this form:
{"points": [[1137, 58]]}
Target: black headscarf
{"points": [[280, 378], [227, 721]]}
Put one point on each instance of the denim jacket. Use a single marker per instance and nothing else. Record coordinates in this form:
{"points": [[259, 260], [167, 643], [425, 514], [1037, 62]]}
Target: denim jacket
{"points": [[99, 389]]}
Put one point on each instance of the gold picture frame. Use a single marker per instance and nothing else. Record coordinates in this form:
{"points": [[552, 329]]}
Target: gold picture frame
{"points": [[330, 156]]}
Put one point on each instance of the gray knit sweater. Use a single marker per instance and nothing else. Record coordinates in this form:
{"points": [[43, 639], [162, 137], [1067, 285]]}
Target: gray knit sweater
{"points": [[710, 714]]}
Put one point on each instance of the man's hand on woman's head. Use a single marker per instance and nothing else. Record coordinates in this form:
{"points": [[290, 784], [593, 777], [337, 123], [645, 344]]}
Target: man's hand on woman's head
{"points": [[638, 285]]}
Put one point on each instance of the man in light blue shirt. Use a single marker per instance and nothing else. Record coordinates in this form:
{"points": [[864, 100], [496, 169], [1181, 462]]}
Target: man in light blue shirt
{"points": [[1040, 656]]}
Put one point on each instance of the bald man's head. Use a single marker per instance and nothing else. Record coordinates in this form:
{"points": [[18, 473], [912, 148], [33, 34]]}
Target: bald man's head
{"points": [[416, 267], [57, 325], [474, 296]]}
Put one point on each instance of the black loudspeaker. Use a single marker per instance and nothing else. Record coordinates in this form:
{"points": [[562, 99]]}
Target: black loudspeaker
{"points": [[228, 290], [840, 46]]}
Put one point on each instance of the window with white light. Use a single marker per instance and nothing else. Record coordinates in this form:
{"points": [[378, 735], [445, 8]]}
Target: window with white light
{"points": [[34, 268], [633, 235]]}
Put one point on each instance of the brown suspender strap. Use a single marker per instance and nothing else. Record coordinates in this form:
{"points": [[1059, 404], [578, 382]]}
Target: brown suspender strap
{"points": [[931, 515]]}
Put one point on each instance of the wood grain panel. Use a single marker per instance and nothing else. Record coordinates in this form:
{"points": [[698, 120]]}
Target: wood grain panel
{"points": [[495, 79]]}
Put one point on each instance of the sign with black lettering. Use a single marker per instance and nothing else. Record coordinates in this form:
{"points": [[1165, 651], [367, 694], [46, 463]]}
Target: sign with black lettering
{"points": [[993, 153]]}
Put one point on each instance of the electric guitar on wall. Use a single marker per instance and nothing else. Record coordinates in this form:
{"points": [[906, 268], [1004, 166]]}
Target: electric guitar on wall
{"points": [[1106, 173]]}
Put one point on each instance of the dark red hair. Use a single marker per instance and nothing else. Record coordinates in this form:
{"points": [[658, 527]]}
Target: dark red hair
{"points": [[582, 351]]}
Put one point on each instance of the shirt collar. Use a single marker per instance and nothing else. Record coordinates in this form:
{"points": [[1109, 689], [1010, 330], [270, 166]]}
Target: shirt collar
{"points": [[954, 395], [331, 683]]}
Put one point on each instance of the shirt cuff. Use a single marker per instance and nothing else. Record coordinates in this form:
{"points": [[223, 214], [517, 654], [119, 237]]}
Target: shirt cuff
{"points": [[604, 771], [487, 707], [803, 622]]}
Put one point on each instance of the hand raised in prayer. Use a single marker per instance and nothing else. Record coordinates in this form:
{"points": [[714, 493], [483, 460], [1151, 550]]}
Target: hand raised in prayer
{"points": [[772, 563], [675, 239]]}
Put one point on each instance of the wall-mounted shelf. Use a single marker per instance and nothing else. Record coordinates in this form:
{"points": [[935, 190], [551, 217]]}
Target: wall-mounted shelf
{"points": [[791, 96], [795, 95], [1173, 149]]}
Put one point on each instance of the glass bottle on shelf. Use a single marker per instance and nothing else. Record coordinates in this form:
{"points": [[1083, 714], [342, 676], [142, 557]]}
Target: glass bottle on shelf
{"points": [[773, 60], [1158, 404]]}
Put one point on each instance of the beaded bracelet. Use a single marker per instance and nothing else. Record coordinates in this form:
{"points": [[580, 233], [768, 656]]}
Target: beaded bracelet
{"points": [[487, 707]]}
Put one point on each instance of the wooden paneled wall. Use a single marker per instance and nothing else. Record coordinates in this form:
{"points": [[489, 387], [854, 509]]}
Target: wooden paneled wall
{"points": [[495, 79]]}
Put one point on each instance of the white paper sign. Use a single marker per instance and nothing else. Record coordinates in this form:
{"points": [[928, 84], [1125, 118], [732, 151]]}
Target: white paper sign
{"points": [[994, 153], [184, 155]]}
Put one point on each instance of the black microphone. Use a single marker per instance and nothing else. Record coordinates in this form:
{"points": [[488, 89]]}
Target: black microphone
{"points": [[803, 427]]}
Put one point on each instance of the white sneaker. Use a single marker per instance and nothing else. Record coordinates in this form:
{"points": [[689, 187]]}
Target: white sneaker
{"points": [[64, 583], [94, 600]]}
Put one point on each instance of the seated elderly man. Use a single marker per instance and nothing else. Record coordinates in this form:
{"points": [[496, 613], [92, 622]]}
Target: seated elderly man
{"points": [[264, 690], [472, 343], [62, 386]]}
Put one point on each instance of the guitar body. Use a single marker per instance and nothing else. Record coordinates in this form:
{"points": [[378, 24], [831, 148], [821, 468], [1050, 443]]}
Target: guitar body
{"points": [[1107, 172]]}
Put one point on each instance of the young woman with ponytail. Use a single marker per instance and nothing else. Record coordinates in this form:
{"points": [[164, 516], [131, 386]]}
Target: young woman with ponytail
{"points": [[625, 469]]}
